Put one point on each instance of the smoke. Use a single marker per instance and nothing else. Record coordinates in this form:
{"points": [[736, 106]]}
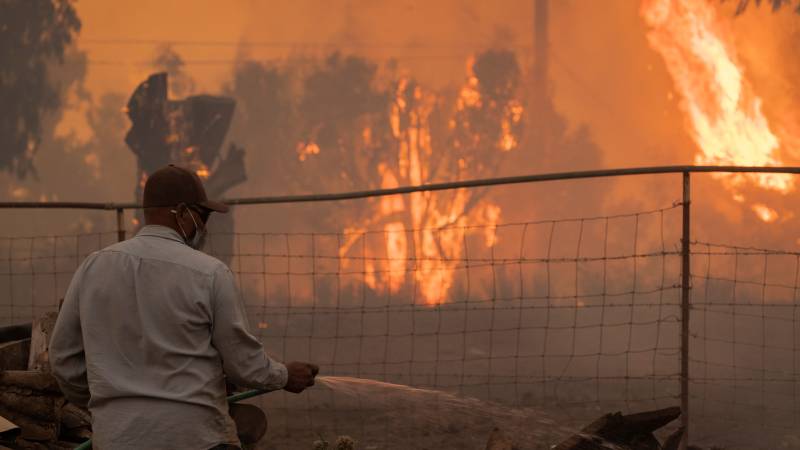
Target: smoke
{"points": [[316, 83]]}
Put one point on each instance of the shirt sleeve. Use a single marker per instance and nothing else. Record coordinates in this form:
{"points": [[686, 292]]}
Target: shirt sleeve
{"points": [[66, 352], [243, 358]]}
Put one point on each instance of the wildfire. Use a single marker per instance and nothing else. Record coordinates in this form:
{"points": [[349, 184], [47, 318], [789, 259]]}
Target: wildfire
{"points": [[725, 117], [423, 229]]}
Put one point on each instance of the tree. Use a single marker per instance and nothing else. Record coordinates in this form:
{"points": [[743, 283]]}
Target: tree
{"points": [[342, 124], [33, 36]]}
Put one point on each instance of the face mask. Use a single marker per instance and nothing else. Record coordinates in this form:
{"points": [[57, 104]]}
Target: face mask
{"points": [[199, 238]]}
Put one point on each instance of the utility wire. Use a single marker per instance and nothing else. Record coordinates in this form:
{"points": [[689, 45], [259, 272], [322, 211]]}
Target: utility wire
{"points": [[294, 44]]}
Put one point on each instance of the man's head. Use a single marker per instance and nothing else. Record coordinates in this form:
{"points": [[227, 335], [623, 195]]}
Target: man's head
{"points": [[174, 197]]}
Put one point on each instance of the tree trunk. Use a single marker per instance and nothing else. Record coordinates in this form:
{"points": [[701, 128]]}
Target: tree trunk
{"points": [[32, 430], [32, 404], [30, 379], [14, 354]]}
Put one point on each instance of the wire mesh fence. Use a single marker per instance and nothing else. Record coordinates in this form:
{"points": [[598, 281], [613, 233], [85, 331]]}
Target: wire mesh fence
{"points": [[555, 320], [575, 316], [579, 314], [744, 337], [36, 270]]}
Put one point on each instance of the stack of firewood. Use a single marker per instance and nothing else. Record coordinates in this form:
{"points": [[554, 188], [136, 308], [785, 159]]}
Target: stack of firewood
{"points": [[29, 395]]}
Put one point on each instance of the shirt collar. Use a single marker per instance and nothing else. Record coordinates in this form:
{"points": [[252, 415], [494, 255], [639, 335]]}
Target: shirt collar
{"points": [[161, 232]]}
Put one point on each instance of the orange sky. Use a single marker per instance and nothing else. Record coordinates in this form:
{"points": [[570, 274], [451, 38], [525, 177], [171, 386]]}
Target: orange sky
{"points": [[605, 75], [430, 38]]}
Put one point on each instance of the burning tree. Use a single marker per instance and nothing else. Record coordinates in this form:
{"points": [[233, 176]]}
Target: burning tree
{"points": [[349, 126]]}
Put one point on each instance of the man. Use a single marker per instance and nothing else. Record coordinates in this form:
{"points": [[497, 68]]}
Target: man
{"points": [[151, 328]]}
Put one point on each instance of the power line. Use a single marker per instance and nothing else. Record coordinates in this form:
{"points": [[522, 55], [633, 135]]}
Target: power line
{"points": [[292, 44], [222, 62]]}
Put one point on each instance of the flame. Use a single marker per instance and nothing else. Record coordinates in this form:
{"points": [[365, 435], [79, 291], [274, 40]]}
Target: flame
{"points": [[397, 250], [202, 171], [304, 150], [429, 227], [764, 212], [469, 96], [20, 192], [93, 162], [725, 118]]}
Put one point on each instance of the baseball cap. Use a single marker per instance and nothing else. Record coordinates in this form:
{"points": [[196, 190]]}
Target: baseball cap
{"points": [[173, 185]]}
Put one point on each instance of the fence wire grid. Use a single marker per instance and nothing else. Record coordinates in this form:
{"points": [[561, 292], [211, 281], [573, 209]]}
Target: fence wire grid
{"points": [[571, 318]]}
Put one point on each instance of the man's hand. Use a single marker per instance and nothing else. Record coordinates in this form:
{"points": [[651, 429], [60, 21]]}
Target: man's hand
{"points": [[301, 376]]}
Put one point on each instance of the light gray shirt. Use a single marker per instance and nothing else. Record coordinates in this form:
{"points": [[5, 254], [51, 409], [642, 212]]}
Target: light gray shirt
{"points": [[148, 330]]}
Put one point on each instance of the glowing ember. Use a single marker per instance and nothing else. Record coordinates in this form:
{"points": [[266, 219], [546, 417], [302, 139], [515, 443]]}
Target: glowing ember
{"points": [[765, 213], [306, 150], [724, 115], [19, 193], [93, 162], [202, 172]]}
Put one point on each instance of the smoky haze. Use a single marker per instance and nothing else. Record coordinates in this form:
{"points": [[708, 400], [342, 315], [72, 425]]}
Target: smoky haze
{"points": [[334, 96]]}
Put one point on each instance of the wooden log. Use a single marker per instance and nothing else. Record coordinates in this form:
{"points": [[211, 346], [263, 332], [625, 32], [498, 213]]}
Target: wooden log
{"points": [[643, 423], [612, 431], [30, 379], [31, 429], [33, 404], [14, 354], [40, 339], [24, 444], [73, 416], [76, 423], [79, 434], [585, 442], [15, 332], [499, 441]]}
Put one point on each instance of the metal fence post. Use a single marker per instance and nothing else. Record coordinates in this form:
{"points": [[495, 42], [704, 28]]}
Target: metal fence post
{"points": [[685, 306], [120, 224]]}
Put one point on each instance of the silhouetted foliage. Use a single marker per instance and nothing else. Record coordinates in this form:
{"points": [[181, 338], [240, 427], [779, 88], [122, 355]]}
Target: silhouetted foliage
{"points": [[775, 4], [33, 36], [481, 127], [344, 123]]}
